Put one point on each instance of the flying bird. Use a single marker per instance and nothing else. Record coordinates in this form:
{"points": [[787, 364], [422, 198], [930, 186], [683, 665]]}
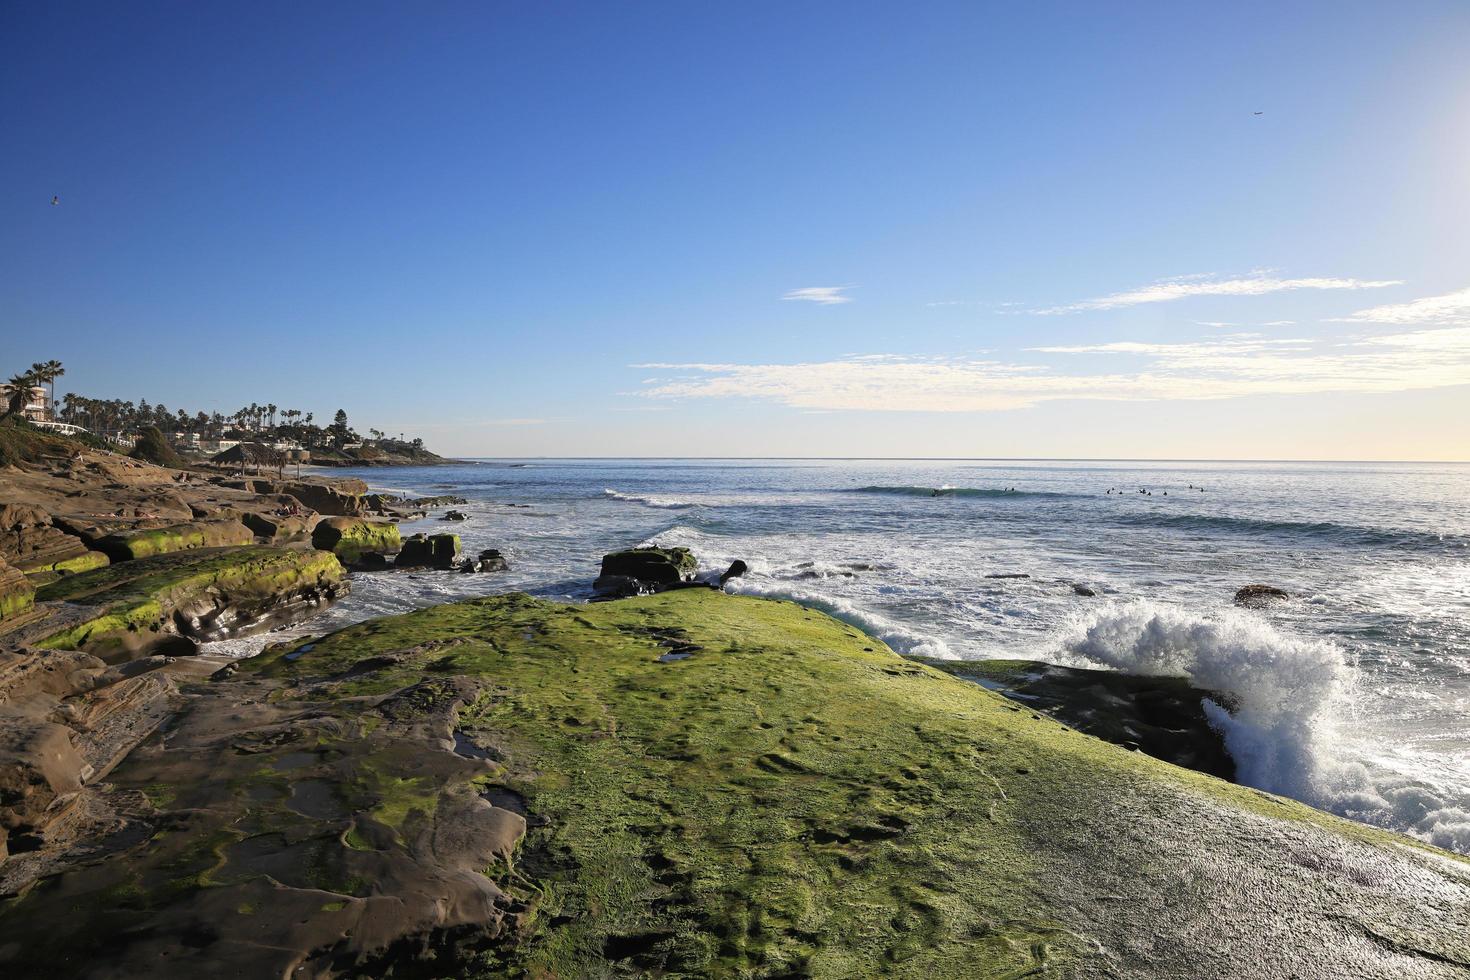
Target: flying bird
{"points": [[55, 199], [1258, 113]]}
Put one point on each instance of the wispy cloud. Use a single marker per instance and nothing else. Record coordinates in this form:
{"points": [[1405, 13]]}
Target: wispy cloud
{"points": [[1184, 287], [823, 295], [1212, 368], [1449, 308]]}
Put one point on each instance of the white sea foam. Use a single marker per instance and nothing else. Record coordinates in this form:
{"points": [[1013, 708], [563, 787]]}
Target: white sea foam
{"points": [[661, 503], [1289, 699], [900, 638]]}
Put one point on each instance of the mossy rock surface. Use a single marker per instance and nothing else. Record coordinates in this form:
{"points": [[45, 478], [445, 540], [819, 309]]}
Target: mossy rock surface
{"points": [[132, 545], [138, 606], [693, 784], [351, 538], [74, 565]]}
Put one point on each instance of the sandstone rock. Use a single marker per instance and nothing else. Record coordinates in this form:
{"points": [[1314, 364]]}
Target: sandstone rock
{"points": [[341, 498], [132, 545], [17, 595], [280, 529]]}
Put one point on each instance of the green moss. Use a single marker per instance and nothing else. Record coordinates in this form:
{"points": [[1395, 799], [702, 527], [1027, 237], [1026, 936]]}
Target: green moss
{"points": [[350, 538], [135, 598], [67, 566], [132, 545]]}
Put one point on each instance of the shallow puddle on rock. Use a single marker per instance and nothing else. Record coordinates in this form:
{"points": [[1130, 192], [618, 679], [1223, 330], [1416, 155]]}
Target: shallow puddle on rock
{"points": [[297, 760], [465, 746]]}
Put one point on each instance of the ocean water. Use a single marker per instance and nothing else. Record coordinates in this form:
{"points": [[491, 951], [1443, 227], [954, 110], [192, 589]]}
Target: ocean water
{"points": [[1354, 696]]}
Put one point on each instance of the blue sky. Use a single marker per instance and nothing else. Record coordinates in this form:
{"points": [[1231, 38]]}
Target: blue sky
{"points": [[951, 229]]}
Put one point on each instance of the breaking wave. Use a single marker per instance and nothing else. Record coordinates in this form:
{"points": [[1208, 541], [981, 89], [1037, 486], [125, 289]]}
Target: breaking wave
{"points": [[1288, 698], [660, 503]]}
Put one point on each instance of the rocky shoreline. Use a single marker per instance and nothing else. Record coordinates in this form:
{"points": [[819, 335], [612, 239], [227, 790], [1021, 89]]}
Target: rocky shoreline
{"points": [[671, 782]]}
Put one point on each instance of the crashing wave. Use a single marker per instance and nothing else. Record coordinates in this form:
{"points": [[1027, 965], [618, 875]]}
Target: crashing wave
{"points": [[1287, 698]]}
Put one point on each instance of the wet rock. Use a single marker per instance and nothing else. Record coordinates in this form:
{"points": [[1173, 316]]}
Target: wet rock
{"points": [[736, 570], [1083, 590], [456, 515], [439, 551], [650, 568], [1159, 716], [489, 560], [1259, 596]]}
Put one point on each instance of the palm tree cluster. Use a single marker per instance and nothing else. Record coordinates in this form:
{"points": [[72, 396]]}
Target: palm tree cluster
{"points": [[251, 423], [22, 384]]}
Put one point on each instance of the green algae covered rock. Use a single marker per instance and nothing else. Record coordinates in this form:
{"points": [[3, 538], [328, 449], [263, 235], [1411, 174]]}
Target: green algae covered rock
{"points": [[17, 594], [353, 538], [434, 551], [163, 602], [132, 545], [696, 784]]}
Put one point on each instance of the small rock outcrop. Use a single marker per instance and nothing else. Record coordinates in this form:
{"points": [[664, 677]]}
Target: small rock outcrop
{"points": [[1257, 596], [340, 498], [644, 570], [736, 570], [352, 539], [439, 551], [456, 515]]}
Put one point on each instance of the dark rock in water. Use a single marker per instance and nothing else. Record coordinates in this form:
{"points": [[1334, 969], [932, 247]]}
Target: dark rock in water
{"points": [[1083, 590], [737, 568], [1008, 575], [456, 515], [439, 551], [372, 561], [650, 569], [1159, 716], [1257, 596], [489, 560]]}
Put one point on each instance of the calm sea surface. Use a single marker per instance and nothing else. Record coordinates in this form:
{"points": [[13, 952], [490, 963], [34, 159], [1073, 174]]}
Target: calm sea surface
{"points": [[1353, 696]]}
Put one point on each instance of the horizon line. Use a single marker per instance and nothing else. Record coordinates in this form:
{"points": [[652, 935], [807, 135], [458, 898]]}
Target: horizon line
{"points": [[978, 459]]}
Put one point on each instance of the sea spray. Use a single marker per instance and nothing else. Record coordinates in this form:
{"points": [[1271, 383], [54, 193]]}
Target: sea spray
{"points": [[1285, 692]]}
